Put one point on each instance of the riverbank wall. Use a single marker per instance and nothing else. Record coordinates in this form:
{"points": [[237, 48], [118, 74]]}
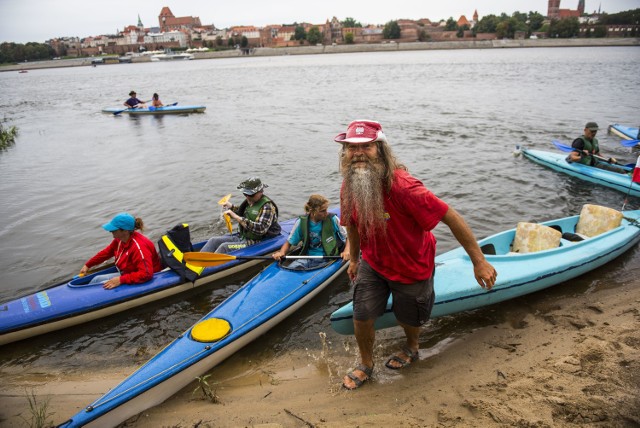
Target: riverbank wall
{"points": [[336, 49]]}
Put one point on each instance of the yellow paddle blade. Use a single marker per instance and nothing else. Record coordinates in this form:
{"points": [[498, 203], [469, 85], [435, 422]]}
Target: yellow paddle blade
{"points": [[224, 200], [227, 220], [207, 259]]}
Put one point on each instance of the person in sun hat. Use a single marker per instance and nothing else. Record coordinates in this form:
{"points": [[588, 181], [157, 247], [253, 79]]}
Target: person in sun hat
{"points": [[389, 216], [586, 151], [135, 255], [257, 218], [134, 102]]}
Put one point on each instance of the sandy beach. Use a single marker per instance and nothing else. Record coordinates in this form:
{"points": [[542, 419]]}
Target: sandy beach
{"points": [[554, 361]]}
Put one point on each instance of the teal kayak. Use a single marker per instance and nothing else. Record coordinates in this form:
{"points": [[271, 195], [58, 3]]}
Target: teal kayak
{"points": [[173, 109], [556, 161], [519, 274], [252, 310]]}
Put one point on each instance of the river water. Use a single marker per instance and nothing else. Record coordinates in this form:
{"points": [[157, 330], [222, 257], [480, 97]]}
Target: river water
{"points": [[453, 117]]}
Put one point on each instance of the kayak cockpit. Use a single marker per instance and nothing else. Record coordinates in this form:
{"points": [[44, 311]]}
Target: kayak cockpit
{"points": [[529, 238], [83, 281]]}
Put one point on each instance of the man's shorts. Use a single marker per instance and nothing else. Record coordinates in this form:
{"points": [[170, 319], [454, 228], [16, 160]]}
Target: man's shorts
{"points": [[412, 303]]}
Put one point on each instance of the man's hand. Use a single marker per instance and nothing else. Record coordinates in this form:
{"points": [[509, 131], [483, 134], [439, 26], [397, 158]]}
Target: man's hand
{"points": [[485, 274]]}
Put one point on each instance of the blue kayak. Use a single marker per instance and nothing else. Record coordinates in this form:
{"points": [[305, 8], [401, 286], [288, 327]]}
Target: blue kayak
{"points": [[625, 132], [556, 161], [250, 312], [74, 302], [519, 274], [174, 109]]}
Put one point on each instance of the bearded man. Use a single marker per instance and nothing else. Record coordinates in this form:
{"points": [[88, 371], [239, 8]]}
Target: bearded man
{"points": [[389, 216]]}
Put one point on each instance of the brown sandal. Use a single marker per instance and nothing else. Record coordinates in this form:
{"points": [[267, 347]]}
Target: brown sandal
{"points": [[368, 371], [413, 356]]}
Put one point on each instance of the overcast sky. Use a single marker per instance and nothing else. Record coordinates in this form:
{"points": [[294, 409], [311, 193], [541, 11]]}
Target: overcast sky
{"points": [[24, 21]]}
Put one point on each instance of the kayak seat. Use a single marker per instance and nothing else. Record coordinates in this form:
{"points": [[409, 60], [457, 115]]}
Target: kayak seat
{"points": [[556, 227], [595, 220], [572, 237], [534, 237]]}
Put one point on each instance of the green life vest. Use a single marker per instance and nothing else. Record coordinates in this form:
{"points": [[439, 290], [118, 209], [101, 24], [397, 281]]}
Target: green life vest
{"points": [[252, 213], [331, 243], [591, 147]]}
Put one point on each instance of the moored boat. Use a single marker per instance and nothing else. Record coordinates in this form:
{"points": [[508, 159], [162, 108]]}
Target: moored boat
{"points": [[557, 162], [252, 310], [526, 271], [172, 56], [73, 302], [170, 109], [625, 132]]}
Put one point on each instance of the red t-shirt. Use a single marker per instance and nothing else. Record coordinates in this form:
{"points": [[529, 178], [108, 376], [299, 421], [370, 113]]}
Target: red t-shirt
{"points": [[406, 254], [136, 260]]}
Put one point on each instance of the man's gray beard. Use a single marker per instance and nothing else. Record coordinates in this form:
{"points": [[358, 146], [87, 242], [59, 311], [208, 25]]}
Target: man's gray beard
{"points": [[365, 193]]}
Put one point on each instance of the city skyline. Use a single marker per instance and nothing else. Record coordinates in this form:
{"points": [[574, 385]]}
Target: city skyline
{"points": [[39, 20]]}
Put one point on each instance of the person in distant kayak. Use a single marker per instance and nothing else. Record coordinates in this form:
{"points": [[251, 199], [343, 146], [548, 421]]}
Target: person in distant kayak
{"points": [[257, 218], [134, 102], [135, 255], [586, 150], [389, 216], [155, 101], [320, 234]]}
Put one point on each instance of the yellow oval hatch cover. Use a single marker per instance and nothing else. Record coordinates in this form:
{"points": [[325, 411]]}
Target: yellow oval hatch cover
{"points": [[210, 330]]}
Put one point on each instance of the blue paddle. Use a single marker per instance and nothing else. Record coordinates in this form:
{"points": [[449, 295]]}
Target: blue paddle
{"points": [[115, 113], [566, 148], [629, 143]]}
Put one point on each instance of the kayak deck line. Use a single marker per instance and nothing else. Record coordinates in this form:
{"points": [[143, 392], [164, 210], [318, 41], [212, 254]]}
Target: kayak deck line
{"points": [[91, 407]]}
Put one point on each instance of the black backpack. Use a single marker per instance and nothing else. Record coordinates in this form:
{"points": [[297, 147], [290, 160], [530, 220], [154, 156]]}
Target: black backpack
{"points": [[172, 246]]}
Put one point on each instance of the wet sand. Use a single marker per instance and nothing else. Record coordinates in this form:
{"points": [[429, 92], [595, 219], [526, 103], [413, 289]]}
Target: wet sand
{"points": [[558, 362]]}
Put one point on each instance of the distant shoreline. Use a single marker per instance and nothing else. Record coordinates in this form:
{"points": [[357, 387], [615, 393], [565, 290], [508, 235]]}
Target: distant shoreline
{"points": [[378, 47]]}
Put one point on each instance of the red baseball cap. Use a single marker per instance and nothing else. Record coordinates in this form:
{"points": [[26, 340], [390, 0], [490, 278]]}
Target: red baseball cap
{"points": [[361, 132]]}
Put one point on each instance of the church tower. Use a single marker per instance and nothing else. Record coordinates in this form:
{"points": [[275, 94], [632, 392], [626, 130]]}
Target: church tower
{"points": [[165, 14], [581, 7], [553, 10]]}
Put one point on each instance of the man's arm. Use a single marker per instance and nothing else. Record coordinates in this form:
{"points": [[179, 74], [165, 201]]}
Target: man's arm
{"points": [[484, 272], [578, 150]]}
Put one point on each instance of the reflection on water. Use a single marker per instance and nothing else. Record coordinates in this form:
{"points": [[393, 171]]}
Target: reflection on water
{"points": [[454, 117]]}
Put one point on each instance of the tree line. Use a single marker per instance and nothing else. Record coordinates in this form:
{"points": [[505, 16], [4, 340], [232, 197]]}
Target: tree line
{"points": [[32, 51]]}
